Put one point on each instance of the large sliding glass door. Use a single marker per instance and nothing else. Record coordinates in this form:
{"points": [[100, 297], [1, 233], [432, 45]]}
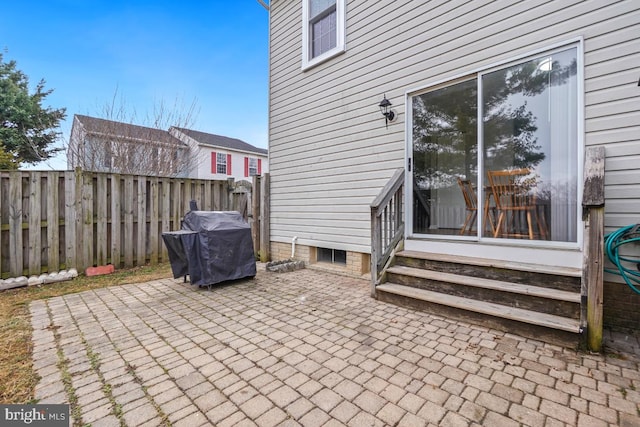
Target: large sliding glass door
{"points": [[522, 118]]}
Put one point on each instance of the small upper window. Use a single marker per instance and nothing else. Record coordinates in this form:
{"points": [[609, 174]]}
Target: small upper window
{"points": [[322, 30], [221, 163]]}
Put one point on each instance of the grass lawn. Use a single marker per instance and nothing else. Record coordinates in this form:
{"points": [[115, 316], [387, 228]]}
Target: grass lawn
{"points": [[17, 378]]}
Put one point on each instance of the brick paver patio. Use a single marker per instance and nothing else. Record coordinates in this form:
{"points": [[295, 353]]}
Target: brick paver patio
{"points": [[313, 349]]}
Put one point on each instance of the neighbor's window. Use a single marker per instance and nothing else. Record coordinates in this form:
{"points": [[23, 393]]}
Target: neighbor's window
{"points": [[334, 256], [221, 163], [253, 166], [103, 160], [322, 30]]}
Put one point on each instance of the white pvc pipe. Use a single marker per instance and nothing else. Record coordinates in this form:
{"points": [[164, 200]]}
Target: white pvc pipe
{"points": [[293, 246]]}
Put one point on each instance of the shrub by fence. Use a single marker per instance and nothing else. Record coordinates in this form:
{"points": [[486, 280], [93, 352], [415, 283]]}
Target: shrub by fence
{"points": [[55, 220]]}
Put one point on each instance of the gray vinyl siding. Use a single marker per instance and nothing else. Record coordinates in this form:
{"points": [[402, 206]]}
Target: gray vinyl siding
{"points": [[330, 153]]}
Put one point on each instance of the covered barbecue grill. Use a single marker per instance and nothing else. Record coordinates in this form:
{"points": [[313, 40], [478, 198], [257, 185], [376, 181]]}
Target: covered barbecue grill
{"points": [[212, 247]]}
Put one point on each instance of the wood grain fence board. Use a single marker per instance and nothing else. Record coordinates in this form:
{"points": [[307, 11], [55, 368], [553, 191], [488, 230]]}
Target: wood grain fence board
{"points": [[224, 197], [15, 223], [34, 254], [228, 191], [213, 189], [202, 188], [197, 194], [194, 194], [154, 228], [179, 201], [101, 219], [141, 217], [70, 213], [222, 190], [217, 196], [116, 221], [208, 196], [2, 222], [127, 243], [188, 196], [79, 254], [53, 221], [88, 259], [165, 213], [176, 204], [255, 213]]}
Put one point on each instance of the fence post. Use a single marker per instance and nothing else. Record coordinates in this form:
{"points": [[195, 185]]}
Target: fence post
{"points": [[265, 254], [15, 223], [35, 225], [230, 188], [102, 219], [116, 221], [70, 259], [141, 221], [153, 220], [87, 220], [593, 261], [255, 213], [53, 222]]}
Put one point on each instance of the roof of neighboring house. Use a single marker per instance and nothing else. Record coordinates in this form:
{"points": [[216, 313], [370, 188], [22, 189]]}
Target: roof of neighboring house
{"points": [[96, 126], [220, 141]]}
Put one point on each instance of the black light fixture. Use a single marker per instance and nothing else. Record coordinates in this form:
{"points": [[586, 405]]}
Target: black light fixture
{"points": [[387, 112]]}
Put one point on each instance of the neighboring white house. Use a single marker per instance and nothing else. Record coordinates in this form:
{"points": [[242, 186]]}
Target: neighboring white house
{"points": [[108, 146], [221, 157], [474, 86]]}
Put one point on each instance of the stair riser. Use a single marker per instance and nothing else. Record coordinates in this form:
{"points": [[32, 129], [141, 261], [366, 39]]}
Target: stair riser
{"points": [[562, 338], [565, 283], [528, 302]]}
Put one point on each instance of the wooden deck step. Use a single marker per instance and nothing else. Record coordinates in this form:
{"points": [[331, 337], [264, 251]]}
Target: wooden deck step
{"points": [[486, 308], [491, 284], [482, 262]]}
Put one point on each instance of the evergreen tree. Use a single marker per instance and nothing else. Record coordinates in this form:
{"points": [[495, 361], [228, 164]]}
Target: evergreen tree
{"points": [[27, 129], [445, 140]]}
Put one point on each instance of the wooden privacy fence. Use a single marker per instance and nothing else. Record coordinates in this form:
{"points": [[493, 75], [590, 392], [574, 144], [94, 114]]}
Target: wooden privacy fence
{"points": [[55, 220]]}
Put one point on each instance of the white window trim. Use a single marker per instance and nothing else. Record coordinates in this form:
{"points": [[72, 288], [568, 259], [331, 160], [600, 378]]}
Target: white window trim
{"points": [[450, 242], [219, 162], [307, 61]]}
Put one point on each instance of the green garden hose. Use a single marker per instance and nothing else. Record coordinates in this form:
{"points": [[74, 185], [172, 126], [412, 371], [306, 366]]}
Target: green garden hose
{"points": [[612, 244]]}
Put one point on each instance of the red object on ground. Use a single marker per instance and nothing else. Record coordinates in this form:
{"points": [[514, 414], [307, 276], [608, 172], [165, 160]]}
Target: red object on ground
{"points": [[99, 270]]}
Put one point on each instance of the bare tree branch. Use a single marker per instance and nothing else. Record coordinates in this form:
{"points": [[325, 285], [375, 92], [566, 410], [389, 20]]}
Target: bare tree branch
{"points": [[118, 142]]}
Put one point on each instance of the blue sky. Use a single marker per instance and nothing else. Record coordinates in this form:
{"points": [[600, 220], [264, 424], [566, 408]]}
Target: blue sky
{"points": [[213, 53]]}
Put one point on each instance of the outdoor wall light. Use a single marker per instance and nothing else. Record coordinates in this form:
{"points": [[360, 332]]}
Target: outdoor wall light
{"points": [[387, 112]]}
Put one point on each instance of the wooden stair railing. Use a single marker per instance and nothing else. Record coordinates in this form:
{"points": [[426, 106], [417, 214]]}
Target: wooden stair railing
{"points": [[387, 226]]}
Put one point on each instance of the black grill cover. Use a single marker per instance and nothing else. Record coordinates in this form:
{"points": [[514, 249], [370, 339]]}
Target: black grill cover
{"points": [[177, 255], [212, 246]]}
